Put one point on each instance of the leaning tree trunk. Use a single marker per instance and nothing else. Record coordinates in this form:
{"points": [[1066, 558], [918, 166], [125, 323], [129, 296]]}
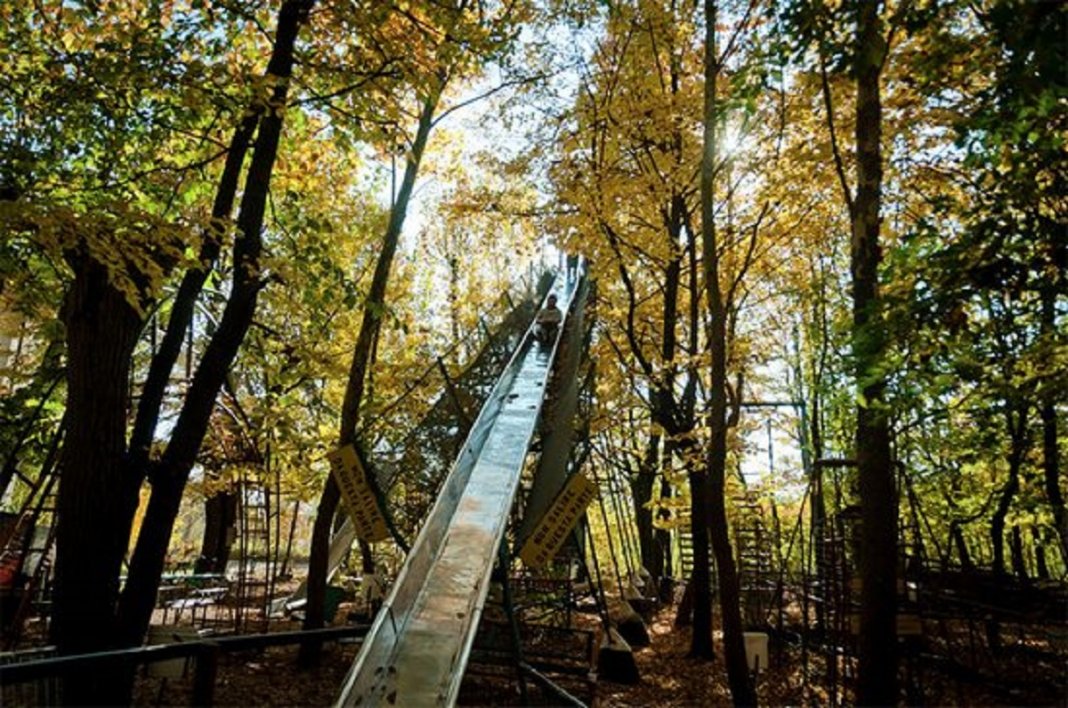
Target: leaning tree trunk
{"points": [[169, 476], [159, 372], [102, 329], [877, 680], [742, 689], [350, 409]]}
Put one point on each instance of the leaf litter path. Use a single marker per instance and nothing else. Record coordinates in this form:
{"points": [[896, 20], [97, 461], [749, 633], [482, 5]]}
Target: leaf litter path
{"points": [[271, 677], [669, 677]]}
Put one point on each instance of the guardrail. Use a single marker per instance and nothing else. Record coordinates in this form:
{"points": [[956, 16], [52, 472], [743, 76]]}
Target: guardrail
{"points": [[205, 652]]}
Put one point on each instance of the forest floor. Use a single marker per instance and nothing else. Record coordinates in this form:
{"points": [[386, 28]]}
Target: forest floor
{"points": [[668, 678], [1029, 670]]}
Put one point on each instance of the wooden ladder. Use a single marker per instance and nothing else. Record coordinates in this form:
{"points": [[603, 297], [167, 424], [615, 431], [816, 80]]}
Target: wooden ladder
{"points": [[26, 559]]}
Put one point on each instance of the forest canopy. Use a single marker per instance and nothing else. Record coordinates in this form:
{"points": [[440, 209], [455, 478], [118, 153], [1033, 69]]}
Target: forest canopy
{"points": [[827, 241]]}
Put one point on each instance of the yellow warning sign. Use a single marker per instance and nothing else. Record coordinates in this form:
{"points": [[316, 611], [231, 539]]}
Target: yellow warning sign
{"points": [[357, 496], [549, 535]]}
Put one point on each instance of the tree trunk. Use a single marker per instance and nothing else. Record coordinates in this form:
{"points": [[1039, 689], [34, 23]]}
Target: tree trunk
{"points": [[641, 492], [1019, 565], [220, 520], [318, 560], [1041, 567], [102, 329], [701, 578], [877, 680], [159, 373], [711, 483], [350, 409], [957, 535], [170, 475], [662, 539], [1051, 474], [1016, 424]]}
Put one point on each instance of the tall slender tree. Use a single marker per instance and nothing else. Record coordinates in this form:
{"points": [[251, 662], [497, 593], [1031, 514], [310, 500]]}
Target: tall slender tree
{"points": [[877, 681], [708, 488]]}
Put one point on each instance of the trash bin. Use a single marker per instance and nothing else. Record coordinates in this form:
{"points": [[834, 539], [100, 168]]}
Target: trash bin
{"points": [[334, 595], [756, 650]]}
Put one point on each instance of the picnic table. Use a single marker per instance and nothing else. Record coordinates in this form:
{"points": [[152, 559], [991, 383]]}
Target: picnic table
{"points": [[192, 592]]}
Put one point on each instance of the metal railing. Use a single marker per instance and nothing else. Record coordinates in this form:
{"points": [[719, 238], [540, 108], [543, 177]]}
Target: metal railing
{"points": [[205, 653]]}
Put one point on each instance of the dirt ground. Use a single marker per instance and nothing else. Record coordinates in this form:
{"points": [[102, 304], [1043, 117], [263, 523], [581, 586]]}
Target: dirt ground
{"points": [[265, 678], [668, 678]]}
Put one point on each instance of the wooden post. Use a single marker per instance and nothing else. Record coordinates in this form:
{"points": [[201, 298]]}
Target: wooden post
{"points": [[204, 676]]}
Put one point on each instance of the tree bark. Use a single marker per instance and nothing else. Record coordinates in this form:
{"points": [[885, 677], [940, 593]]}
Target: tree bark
{"points": [[701, 578], [220, 517], [1051, 473], [361, 358], [1016, 424], [170, 475], [1019, 564], [957, 536], [102, 329], [711, 482], [877, 680], [1041, 567], [159, 372], [641, 489]]}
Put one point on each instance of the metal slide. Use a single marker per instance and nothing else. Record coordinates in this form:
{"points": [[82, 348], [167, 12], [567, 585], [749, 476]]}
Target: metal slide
{"points": [[475, 381], [417, 649]]}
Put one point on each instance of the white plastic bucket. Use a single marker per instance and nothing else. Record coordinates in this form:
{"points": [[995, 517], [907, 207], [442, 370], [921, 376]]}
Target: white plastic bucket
{"points": [[756, 650]]}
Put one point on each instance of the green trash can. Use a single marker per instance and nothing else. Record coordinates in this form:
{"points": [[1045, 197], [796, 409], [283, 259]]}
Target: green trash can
{"points": [[334, 595]]}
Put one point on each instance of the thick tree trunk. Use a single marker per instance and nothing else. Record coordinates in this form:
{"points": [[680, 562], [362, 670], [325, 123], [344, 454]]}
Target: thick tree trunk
{"points": [[877, 680], [220, 523], [170, 475], [712, 482], [361, 358], [102, 329]]}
